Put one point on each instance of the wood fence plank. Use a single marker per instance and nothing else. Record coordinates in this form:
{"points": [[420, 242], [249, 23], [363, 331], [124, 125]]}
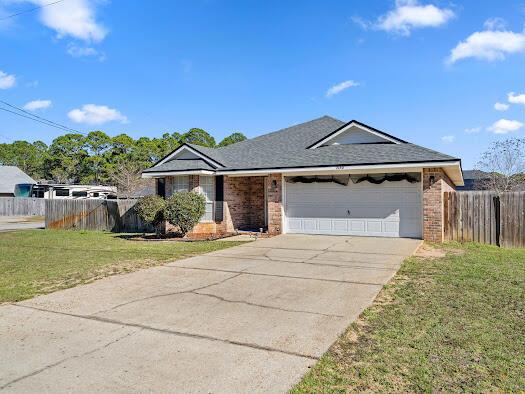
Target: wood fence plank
{"points": [[102, 215], [22, 206]]}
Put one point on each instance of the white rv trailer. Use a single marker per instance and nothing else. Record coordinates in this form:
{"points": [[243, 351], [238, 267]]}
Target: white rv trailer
{"points": [[64, 191]]}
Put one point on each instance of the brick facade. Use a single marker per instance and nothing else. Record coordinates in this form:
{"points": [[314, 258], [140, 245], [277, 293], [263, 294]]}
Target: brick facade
{"points": [[244, 199], [435, 183], [243, 203], [243, 206]]}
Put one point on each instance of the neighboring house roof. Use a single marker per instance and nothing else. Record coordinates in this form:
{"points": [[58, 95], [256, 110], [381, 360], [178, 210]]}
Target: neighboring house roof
{"points": [[475, 174], [11, 176], [301, 146]]}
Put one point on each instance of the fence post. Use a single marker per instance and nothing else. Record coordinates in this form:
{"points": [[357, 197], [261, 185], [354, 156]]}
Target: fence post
{"points": [[497, 214]]}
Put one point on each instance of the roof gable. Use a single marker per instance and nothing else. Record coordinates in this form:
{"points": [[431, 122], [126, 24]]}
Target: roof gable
{"points": [[188, 152], [355, 132]]}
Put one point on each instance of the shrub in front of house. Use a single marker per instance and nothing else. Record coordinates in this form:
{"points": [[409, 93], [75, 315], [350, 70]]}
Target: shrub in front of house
{"points": [[184, 210], [151, 209]]}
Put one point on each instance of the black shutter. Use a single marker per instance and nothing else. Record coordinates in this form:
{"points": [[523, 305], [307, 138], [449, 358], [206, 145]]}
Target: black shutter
{"points": [[219, 198], [161, 187]]}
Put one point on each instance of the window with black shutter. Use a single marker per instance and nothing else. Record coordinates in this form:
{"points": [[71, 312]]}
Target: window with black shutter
{"points": [[219, 198], [161, 187]]}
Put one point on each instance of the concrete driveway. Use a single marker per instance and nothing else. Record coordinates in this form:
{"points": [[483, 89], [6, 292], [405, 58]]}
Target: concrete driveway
{"points": [[252, 318]]}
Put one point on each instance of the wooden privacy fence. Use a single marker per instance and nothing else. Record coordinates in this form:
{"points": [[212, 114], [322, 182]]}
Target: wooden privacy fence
{"points": [[485, 217], [103, 215], [21, 206]]}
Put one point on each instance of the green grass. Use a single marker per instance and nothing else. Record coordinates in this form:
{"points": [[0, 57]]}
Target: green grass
{"points": [[453, 324], [41, 261]]}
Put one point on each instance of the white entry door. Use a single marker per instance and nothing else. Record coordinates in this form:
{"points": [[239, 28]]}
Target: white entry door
{"points": [[390, 209]]}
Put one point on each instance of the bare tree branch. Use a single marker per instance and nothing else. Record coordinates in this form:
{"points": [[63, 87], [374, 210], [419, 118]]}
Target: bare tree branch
{"points": [[127, 177], [504, 163]]}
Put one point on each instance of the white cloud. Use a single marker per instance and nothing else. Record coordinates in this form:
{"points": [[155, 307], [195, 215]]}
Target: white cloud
{"points": [[6, 80], [473, 130], [410, 14], [489, 44], [79, 51], [504, 126], [74, 18], [501, 107], [336, 89], [516, 98], [37, 104], [448, 139], [495, 24], [96, 114]]}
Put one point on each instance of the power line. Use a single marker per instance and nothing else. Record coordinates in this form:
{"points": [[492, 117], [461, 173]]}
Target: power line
{"points": [[36, 120], [64, 128], [30, 10], [40, 117]]}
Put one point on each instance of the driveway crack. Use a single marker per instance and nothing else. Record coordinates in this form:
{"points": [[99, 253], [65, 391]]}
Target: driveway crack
{"points": [[266, 306], [174, 332], [166, 294]]}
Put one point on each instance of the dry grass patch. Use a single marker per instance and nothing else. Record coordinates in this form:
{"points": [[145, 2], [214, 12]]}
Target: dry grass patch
{"points": [[42, 261]]}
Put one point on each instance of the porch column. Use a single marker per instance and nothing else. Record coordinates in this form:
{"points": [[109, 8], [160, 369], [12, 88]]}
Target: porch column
{"points": [[274, 189], [435, 183]]}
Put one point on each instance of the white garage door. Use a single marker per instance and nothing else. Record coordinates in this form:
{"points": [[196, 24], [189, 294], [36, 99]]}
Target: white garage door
{"points": [[390, 209]]}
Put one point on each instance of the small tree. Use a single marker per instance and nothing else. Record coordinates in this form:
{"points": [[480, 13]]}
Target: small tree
{"points": [[126, 176], [184, 210], [504, 162], [151, 210]]}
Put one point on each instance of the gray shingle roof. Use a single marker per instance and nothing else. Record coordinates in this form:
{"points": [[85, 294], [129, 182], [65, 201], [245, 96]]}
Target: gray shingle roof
{"points": [[475, 174], [181, 165], [288, 148], [10, 176]]}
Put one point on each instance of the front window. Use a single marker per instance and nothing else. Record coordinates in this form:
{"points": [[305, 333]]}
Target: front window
{"points": [[181, 183], [207, 189]]}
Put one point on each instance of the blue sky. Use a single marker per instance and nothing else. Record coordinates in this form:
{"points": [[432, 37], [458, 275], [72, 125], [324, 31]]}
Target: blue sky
{"points": [[429, 72]]}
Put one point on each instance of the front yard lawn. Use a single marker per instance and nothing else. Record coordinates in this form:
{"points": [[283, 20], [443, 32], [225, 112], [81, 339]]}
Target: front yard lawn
{"points": [[450, 324], [41, 261]]}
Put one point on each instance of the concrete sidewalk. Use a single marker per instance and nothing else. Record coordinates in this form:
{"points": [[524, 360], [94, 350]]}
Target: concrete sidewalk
{"points": [[251, 318], [12, 223]]}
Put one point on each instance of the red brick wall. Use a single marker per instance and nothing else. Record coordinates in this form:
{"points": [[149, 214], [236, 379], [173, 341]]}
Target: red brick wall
{"points": [[274, 194], [244, 203], [433, 230]]}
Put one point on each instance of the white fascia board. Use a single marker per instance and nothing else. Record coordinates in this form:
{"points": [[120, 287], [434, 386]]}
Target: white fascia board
{"points": [[173, 173], [339, 169], [189, 149], [351, 124]]}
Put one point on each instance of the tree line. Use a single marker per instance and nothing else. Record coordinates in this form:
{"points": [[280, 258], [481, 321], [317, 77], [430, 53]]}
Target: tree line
{"points": [[97, 158]]}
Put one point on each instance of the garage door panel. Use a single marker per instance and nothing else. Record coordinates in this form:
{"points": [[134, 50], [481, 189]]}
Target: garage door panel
{"points": [[325, 224], [340, 225], [357, 225], [373, 226], [294, 225], [310, 224], [390, 209], [390, 227]]}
